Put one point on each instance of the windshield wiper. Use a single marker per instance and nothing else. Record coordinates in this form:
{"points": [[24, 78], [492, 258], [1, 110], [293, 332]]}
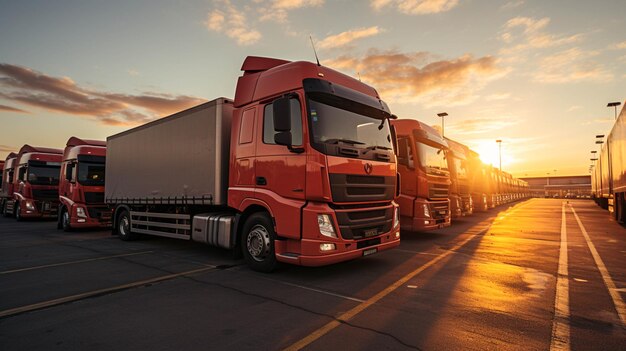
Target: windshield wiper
{"points": [[347, 141], [376, 147]]}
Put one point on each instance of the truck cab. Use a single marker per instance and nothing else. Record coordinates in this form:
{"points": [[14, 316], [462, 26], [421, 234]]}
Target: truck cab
{"points": [[424, 174], [81, 187], [461, 201], [478, 182], [6, 189], [36, 184], [312, 147]]}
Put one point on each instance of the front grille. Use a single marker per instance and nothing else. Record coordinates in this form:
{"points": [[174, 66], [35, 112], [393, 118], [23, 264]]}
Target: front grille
{"points": [[438, 191], [45, 194], [358, 188], [94, 197], [358, 224], [103, 214], [440, 210]]}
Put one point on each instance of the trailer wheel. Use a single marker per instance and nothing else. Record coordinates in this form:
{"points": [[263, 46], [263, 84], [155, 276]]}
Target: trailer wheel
{"points": [[18, 212], [257, 243], [123, 227], [619, 211], [65, 220]]}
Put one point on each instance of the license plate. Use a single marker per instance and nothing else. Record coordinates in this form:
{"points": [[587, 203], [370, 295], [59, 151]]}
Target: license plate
{"points": [[370, 232], [442, 212], [369, 251]]}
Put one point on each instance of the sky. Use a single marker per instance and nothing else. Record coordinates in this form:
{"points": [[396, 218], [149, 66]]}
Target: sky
{"points": [[535, 74]]}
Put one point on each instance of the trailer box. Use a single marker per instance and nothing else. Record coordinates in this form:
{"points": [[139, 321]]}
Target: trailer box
{"points": [[181, 159]]}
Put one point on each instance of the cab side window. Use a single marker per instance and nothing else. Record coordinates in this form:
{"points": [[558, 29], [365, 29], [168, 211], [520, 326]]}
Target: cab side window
{"points": [[405, 154], [296, 123]]}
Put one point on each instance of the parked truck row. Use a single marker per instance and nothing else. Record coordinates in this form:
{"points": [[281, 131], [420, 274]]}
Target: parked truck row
{"points": [[305, 166], [608, 175]]}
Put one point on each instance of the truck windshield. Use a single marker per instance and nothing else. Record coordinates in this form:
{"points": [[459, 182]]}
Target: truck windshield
{"points": [[432, 159], [337, 123], [91, 173], [460, 168], [44, 174]]}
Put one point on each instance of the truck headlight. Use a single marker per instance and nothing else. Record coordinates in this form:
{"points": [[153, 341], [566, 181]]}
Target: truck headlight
{"points": [[396, 217], [426, 211], [30, 206], [326, 225], [80, 212]]}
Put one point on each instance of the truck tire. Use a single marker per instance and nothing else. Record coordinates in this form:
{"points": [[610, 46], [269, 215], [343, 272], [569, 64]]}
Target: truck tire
{"points": [[65, 220], [123, 227], [257, 243], [17, 210], [5, 212]]}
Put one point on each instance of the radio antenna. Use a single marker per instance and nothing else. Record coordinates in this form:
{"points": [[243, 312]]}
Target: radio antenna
{"points": [[314, 51]]}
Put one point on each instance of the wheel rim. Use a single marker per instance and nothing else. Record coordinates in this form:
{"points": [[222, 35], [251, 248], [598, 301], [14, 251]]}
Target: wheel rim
{"points": [[258, 243], [66, 219], [124, 226]]}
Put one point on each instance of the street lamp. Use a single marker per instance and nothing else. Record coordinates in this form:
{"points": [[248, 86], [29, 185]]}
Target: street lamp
{"points": [[442, 115], [614, 105], [499, 141]]}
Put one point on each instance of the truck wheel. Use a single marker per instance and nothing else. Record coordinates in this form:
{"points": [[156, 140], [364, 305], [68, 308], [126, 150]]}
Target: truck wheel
{"points": [[65, 220], [257, 243], [18, 212], [5, 212], [123, 227], [619, 211]]}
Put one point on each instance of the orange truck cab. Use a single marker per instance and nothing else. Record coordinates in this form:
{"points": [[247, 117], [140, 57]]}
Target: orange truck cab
{"points": [[299, 168], [6, 189], [491, 186], [81, 187], [36, 184], [425, 179], [461, 201]]}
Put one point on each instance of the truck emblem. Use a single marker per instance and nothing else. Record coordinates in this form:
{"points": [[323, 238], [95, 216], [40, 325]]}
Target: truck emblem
{"points": [[368, 168]]}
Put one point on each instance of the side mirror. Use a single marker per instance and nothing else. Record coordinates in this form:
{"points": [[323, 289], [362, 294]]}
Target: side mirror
{"points": [[282, 115], [394, 139], [69, 169], [283, 138]]}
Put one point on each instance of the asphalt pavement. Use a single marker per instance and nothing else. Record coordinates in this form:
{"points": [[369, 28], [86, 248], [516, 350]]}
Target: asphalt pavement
{"points": [[540, 274]]}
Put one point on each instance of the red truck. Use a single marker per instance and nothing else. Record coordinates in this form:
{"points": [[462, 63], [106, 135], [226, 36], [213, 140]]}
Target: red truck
{"points": [[299, 168], [6, 189], [479, 182], [36, 184], [424, 174], [461, 202], [81, 187]]}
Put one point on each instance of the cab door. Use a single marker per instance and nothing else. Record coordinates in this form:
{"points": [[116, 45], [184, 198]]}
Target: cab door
{"points": [[406, 168], [280, 171]]}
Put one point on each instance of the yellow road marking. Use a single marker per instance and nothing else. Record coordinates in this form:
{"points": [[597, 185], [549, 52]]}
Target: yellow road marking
{"points": [[74, 262], [300, 344], [62, 300]]}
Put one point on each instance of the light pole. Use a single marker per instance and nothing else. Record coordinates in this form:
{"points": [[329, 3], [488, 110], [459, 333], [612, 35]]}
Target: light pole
{"points": [[499, 141], [614, 105], [442, 115]]}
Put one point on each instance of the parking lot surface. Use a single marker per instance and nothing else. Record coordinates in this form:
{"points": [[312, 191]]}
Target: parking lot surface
{"points": [[539, 274]]}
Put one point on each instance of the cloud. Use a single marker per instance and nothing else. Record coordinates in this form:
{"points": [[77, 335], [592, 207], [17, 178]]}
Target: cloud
{"points": [[618, 46], [529, 33], [234, 23], [574, 108], [498, 97], [481, 125], [61, 94], [571, 65], [133, 72], [347, 37], [512, 4], [415, 7], [11, 109], [7, 149], [239, 23], [417, 77]]}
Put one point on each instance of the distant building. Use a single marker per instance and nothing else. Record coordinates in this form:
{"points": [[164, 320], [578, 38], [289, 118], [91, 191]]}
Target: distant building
{"points": [[560, 186]]}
